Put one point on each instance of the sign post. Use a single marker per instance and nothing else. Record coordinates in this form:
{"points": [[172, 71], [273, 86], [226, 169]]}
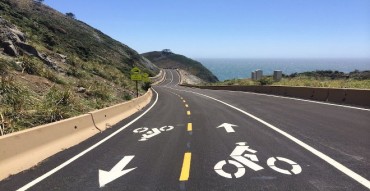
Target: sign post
{"points": [[136, 76]]}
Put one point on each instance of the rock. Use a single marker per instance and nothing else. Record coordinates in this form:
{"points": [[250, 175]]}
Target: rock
{"points": [[62, 56], [9, 48], [17, 35], [81, 90], [28, 49]]}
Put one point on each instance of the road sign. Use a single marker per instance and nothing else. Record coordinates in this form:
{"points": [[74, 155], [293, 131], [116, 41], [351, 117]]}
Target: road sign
{"points": [[136, 77], [145, 77], [135, 70], [136, 74]]}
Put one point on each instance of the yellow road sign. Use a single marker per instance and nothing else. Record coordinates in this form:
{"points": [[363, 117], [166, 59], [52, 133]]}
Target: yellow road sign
{"points": [[136, 77], [145, 77], [135, 70]]}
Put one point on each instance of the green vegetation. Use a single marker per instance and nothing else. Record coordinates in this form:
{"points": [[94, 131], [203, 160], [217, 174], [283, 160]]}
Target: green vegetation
{"points": [[332, 79], [167, 59], [77, 68]]}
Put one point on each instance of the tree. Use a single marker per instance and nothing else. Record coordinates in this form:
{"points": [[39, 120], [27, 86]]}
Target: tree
{"points": [[70, 15]]}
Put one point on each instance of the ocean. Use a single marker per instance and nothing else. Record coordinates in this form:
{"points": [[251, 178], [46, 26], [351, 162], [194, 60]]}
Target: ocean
{"points": [[242, 68]]}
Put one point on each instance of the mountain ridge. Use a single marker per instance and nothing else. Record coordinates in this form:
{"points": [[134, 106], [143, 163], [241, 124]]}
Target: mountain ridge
{"points": [[167, 59]]}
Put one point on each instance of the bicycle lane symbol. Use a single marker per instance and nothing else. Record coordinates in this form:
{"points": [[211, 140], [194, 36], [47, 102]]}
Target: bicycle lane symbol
{"points": [[151, 133], [250, 161]]}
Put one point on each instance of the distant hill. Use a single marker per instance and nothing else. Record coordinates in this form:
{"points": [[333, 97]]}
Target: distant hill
{"points": [[167, 59], [54, 66]]}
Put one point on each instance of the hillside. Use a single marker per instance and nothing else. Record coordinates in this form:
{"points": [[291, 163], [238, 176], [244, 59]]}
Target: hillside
{"points": [[167, 59], [54, 67]]}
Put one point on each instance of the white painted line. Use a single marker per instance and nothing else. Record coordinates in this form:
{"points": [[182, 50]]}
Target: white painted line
{"points": [[319, 154], [165, 78], [171, 79], [56, 169], [298, 99]]}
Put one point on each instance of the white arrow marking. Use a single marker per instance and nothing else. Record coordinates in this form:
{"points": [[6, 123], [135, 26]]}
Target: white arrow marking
{"points": [[116, 172], [228, 127]]}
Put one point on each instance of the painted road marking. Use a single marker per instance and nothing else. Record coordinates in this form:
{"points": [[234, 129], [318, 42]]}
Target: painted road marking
{"points": [[186, 105], [190, 126], [184, 101], [170, 81], [56, 169], [185, 171], [153, 132], [319, 154], [240, 156], [117, 171], [228, 127], [188, 113]]}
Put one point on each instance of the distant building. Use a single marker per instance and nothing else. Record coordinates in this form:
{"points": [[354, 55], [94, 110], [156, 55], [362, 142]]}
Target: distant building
{"points": [[278, 74], [259, 74]]}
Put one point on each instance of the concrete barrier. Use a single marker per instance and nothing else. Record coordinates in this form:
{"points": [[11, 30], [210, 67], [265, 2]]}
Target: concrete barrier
{"points": [[107, 117], [358, 97], [22, 150], [336, 95], [158, 78], [300, 92], [320, 94]]}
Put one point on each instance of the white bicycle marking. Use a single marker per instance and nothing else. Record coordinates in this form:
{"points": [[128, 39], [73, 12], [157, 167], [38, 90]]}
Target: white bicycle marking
{"points": [[151, 133], [249, 160]]}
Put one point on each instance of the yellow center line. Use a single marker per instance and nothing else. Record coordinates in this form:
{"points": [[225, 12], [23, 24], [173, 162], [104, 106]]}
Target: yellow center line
{"points": [[190, 126], [186, 105], [185, 171], [188, 113]]}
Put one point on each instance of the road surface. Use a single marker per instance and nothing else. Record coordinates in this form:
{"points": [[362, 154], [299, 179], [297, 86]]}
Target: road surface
{"points": [[192, 139]]}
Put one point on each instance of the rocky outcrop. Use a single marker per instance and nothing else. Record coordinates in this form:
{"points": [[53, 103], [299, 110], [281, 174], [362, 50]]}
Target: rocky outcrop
{"points": [[9, 48], [13, 43], [9, 37]]}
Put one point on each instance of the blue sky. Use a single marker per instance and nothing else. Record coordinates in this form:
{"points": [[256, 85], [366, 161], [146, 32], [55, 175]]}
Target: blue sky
{"points": [[232, 28]]}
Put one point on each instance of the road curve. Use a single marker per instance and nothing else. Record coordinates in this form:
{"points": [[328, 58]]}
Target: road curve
{"points": [[192, 139]]}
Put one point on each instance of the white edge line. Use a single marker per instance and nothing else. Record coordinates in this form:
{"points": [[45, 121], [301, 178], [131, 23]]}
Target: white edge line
{"points": [[56, 169], [321, 155], [170, 81], [298, 99]]}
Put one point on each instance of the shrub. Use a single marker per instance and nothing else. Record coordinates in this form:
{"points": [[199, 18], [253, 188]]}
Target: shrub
{"points": [[127, 96], [57, 105], [265, 81], [12, 94], [145, 86]]}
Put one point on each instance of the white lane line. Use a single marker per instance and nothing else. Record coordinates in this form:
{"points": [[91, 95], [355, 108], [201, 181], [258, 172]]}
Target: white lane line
{"points": [[56, 169], [177, 84], [298, 99], [170, 81], [165, 78], [319, 154]]}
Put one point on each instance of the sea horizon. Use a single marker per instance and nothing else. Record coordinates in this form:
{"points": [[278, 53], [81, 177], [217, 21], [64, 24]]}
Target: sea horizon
{"points": [[231, 68]]}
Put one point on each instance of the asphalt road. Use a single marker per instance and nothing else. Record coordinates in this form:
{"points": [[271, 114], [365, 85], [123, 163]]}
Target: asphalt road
{"points": [[192, 139]]}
